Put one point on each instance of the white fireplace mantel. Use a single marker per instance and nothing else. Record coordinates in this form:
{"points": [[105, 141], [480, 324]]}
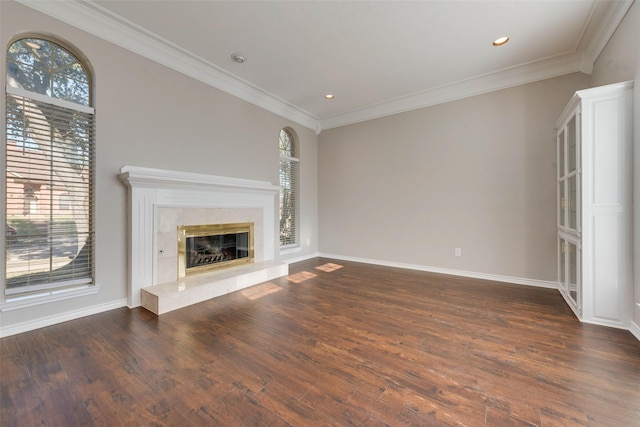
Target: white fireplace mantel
{"points": [[150, 189]]}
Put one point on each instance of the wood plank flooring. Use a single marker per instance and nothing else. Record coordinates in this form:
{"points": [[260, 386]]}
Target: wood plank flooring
{"points": [[333, 344]]}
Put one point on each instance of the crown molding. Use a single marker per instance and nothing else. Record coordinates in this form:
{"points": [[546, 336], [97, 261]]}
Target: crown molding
{"points": [[516, 76], [595, 42], [94, 19], [102, 23]]}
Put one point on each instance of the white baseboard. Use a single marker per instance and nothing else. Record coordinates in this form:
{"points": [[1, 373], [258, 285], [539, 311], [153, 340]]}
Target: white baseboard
{"points": [[300, 258], [63, 317], [474, 275]]}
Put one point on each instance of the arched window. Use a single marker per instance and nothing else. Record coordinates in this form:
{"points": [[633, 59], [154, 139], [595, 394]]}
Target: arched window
{"points": [[50, 156], [289, 163]]}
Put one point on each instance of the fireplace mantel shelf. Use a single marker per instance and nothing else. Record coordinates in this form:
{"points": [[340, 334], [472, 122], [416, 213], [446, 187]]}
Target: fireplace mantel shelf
{"points": [[135, 176]]}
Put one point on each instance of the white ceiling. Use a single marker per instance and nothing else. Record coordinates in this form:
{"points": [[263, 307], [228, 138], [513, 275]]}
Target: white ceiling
{"points": [[376, 57]]}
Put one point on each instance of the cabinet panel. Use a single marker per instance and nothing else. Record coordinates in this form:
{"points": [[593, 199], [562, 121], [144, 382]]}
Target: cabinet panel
{"points": [[607, 231], [606, 158]]}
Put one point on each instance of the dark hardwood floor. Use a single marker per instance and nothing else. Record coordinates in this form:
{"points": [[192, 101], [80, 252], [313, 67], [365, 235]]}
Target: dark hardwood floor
{"points": [[335, 343]]}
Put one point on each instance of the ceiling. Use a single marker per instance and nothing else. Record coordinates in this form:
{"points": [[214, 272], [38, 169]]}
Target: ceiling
{"points": [[376, 57]]}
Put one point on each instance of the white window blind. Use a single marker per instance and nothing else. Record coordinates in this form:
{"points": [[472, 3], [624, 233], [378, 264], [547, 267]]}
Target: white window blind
{"points": [[49, 155], [289, 173]]}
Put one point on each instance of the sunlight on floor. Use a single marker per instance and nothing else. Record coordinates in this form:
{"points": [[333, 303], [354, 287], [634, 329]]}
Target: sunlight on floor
{"points": [[301, 277], [329, 267], [260, 291]]}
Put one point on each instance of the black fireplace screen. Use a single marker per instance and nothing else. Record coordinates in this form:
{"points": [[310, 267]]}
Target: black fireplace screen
{"points": [[206, 250]]}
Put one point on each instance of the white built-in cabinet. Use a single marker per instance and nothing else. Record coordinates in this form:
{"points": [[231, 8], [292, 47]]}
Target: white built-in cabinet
{"points": [[594, 140]]}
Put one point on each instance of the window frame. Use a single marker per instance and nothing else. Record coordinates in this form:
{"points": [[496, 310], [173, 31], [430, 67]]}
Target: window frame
{"points": [[60, 288], [294, 165]]}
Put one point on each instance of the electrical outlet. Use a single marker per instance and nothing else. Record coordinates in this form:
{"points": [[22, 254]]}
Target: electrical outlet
{"points": [[457, 252]]}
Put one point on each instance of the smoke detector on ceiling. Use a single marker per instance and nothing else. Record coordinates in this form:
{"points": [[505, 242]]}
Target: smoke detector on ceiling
{"points": [[237, 58]]}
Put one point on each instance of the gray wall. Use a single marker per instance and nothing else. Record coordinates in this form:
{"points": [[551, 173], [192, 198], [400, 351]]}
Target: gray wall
{"points": [[620, 61], [149, 115], [478, 174]]}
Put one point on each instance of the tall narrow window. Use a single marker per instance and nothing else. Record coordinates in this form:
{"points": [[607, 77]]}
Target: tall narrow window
{"points": [[50, 157], [289, 163]]}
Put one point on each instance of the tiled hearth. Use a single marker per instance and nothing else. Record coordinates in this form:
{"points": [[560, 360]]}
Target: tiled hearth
{"points": [[162, 200], [201, 287]]}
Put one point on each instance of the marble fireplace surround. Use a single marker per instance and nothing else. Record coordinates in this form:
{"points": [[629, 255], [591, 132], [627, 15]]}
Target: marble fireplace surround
{"points": [[161, 200]]}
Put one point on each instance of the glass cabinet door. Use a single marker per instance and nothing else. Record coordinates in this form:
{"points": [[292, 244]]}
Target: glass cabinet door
{"points": [[569, 177], [569, 211]]}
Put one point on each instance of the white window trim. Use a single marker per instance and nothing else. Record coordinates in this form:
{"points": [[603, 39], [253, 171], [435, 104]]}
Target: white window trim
{"points": [[49, 100], [290, 249], [29, 300]]}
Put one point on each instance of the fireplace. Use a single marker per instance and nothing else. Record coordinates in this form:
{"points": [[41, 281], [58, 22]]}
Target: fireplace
{"points": [[160, 201], [204, 248]]}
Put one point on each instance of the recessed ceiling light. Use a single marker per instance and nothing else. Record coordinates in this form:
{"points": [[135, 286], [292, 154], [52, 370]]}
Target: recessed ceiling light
{"points": [[329, 96], [33, 45], [500, 41]]}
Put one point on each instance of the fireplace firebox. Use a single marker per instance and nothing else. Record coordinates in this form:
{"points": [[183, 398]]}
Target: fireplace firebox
{"points": [[203, 248]]}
